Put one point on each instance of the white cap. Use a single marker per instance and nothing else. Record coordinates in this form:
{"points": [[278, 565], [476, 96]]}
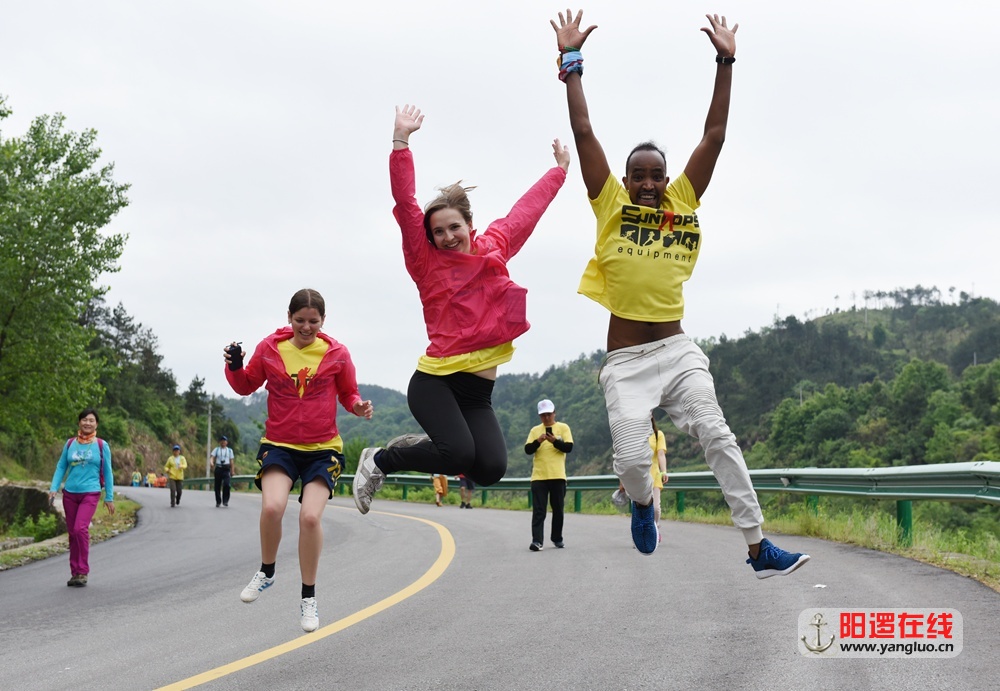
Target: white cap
{"points": [[546, 406]]}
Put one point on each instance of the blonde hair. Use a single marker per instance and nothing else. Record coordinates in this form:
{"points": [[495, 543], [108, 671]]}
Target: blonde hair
{"points": [[451, 197]]}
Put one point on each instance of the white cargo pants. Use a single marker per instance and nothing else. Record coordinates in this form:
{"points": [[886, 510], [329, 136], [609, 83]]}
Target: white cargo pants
{"points": [[672, 374]]}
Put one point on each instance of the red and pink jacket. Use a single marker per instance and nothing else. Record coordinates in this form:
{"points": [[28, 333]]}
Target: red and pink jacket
{"points": [[311, 418], [469, 300]]}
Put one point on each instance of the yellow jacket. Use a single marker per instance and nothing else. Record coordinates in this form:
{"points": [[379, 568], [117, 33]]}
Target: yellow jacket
{"points": [[175, 467]]}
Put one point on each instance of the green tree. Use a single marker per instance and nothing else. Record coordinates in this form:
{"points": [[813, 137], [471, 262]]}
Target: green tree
{"points": [[54, 201]]}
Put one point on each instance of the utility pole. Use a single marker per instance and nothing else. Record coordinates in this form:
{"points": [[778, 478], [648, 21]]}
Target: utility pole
{"points": [[208, 442]]}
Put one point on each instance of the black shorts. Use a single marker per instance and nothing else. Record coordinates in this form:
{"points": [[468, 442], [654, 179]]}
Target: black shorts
{"points": [[466, 483], [306, 466]]}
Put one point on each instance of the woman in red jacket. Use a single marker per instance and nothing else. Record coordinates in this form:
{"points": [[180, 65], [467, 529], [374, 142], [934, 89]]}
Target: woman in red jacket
{"points": [[473, 311], [306, 373]]}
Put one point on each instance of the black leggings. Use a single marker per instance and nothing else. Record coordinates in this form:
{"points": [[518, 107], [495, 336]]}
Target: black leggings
{"points": [[456, 412]]}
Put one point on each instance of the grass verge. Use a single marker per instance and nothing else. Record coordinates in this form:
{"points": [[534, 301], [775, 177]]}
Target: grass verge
{"points": [[104, 527]]}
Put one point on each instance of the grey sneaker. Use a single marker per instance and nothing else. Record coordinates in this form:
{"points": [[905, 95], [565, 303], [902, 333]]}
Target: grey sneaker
{"points": [[309, 614], [367, 480], [404, 440], [619, 498], [258, 584]]}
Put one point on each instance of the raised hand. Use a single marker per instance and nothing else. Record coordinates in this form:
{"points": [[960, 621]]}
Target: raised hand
{"points": [[721, 36], [561, 153], [408, 121], [568, 30]]}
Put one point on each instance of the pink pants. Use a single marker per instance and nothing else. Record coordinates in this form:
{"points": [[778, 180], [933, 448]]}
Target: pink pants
{"points": [[79, 510]]}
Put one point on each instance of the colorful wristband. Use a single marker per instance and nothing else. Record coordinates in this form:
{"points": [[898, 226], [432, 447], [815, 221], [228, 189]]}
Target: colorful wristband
{"points": [[570, 62]]}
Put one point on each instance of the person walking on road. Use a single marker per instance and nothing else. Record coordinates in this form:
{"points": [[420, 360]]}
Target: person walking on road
{"points": [[548, 442], [83, 471], [465, 488], [306, 372], [222, 468], [174, 468]]}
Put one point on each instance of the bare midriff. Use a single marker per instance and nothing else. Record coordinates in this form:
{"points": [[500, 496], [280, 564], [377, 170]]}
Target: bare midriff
{"points": [[625, 333], [490, 373]]}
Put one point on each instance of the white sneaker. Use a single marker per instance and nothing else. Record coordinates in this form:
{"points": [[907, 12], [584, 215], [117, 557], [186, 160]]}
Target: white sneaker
{"points": [[257, 585], [367, 480], [404, 440], [309, 614], [619, 498]]}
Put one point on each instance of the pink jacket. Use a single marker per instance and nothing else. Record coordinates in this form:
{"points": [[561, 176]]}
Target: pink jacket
{"points": [[291, 419], [469, 300]]}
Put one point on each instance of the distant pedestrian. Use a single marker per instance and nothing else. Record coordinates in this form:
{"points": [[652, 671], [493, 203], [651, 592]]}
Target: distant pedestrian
{"points": [[548, 442], [465, 488], [222, 466], [174, 468], [136, 478], [85, 468], [440, 487]]}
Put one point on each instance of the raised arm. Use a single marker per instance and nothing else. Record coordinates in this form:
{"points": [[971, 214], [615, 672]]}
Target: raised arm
{"points": [[514, 229], [701, 165], [593, 162], [408, 120]]}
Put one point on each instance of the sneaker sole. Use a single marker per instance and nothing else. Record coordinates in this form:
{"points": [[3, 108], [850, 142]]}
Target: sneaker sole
{"points": [[406, 440], [355, 486], [767, 573]]}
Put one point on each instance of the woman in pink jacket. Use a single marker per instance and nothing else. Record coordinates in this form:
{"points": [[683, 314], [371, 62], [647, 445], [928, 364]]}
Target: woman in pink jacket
{"points": [[473, 311], [306, 373]]}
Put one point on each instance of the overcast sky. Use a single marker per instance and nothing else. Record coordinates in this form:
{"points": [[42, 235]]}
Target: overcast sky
{"points": [[862, 154]]}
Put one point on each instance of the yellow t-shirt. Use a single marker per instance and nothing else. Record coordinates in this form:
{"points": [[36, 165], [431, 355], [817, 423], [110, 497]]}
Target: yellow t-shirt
{"points": [[301, 365], [175, 466], [475, 361], [550, 462], [643, 256], [657, 443]]}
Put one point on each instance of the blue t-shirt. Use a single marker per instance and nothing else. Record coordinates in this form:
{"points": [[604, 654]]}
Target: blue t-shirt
{"points": [[80, 466]]}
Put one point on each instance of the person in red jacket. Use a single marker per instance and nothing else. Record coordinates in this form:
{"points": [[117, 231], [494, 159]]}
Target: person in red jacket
{"points": [[473, 312], [306, 373]]}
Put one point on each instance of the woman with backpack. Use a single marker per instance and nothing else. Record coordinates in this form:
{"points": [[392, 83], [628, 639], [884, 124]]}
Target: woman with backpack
{"points": [[84, 469]]}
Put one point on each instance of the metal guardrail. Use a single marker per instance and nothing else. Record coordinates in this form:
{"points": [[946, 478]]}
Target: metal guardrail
{"points": [[978, 481]]}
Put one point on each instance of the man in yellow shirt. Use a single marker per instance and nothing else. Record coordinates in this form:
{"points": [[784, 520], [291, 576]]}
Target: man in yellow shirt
{"points": [[549, 443], [174, 468]]}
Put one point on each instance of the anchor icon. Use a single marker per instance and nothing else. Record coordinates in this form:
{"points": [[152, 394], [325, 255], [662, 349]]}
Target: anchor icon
{"points": [[817, 621]]}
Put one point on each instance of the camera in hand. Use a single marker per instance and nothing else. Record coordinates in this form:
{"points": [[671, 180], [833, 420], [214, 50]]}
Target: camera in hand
{"points": [[235, 356]]}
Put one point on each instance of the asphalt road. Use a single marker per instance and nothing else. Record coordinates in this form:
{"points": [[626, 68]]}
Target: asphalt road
{"points": [[414, 596]]}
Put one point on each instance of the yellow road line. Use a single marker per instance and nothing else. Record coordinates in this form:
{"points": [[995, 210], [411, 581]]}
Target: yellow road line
{"points": [[432, 574]]}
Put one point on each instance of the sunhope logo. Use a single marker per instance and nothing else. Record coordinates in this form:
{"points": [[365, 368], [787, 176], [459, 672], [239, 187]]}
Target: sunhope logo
{"points": [[866, 632]]}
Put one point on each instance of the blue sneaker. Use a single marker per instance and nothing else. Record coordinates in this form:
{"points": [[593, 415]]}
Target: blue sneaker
{"points": [[774, 561], [644, 527]]}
